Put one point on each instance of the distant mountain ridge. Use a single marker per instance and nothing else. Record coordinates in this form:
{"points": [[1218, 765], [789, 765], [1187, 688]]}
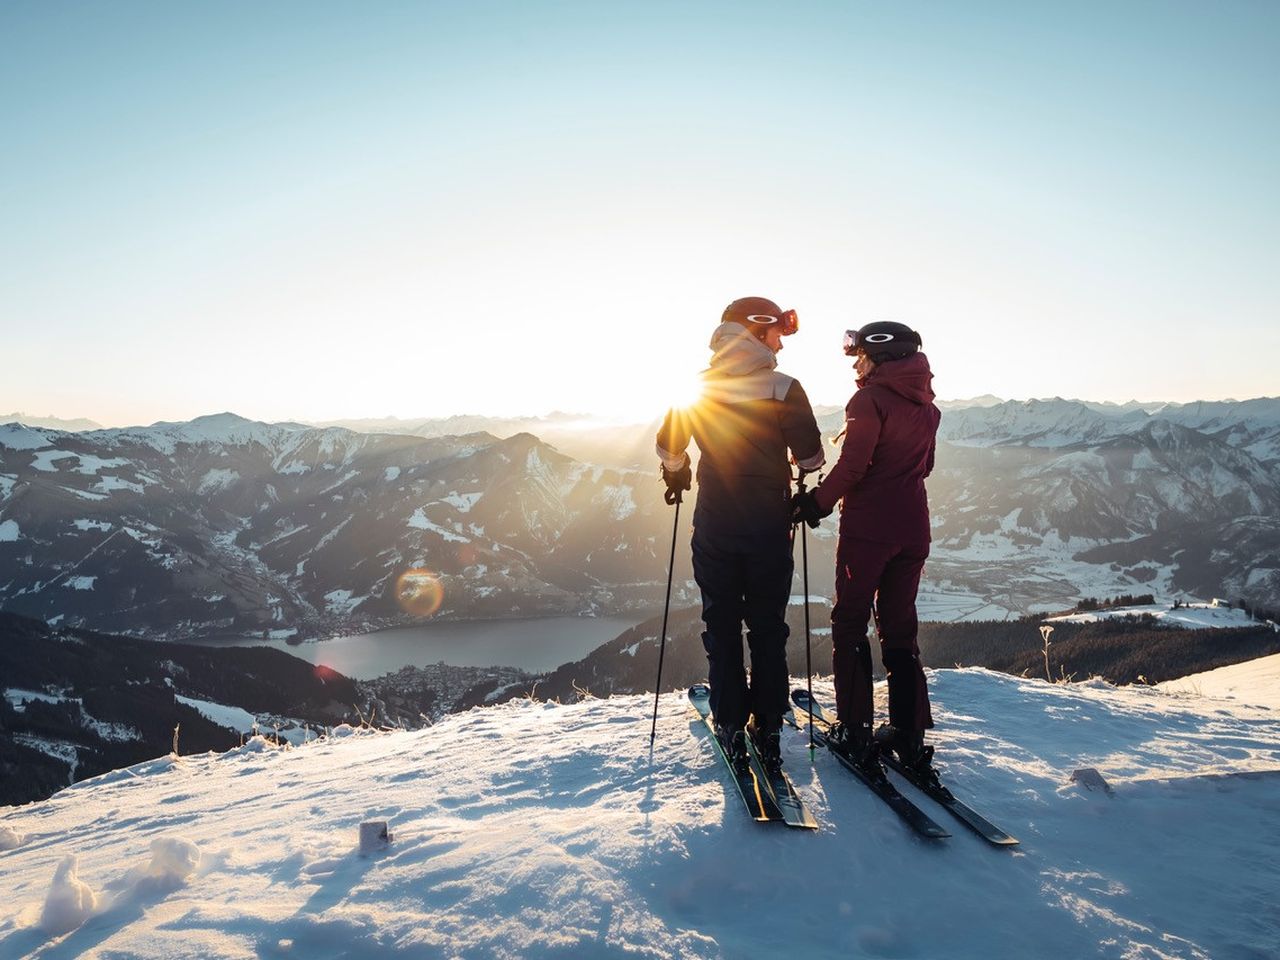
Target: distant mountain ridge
{"points": [[53, 423], [1057, 498], [225, 525]]}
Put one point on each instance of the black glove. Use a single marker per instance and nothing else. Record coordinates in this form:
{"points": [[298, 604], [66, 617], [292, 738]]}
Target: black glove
{"points": [[677, 482], [805, 509]]}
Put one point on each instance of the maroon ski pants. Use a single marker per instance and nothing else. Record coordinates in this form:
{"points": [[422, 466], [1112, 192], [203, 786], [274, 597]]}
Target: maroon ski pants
{"points": [[880, 580]]}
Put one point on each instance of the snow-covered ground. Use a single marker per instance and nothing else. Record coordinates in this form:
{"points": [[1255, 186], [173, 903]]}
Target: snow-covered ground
{"points": [[534, 830], [1193, 616], [1254, 681]]}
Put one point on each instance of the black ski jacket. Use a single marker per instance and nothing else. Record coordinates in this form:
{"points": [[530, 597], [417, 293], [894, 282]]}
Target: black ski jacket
{"points": [[747, 418]]}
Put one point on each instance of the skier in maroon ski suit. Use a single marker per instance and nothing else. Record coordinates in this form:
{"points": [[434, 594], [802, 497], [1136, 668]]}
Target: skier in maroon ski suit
{"points": [[889, 443], [747, 419]]}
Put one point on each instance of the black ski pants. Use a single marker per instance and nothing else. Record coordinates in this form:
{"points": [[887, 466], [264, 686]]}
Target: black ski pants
{"points": [[745, 578], [879, 579]]}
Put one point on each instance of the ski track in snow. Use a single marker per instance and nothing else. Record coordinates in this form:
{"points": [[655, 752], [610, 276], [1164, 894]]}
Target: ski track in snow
{"points": [[535, 830]]}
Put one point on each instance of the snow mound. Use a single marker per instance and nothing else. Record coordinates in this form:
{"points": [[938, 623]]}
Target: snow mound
{"points": [[70, 901], [173, 860], [536, 831], [10, 839]]}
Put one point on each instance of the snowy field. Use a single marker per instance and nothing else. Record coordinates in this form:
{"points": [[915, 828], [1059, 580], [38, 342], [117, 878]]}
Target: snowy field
{"points": [[533, 830], [1192, 616], [1254, 681]]}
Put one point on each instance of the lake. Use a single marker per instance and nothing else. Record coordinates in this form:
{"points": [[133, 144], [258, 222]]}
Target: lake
{"points": [[535, 644]]}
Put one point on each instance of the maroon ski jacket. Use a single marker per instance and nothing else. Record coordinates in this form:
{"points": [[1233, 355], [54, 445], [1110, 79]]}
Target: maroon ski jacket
{"points": [[889, 442]]}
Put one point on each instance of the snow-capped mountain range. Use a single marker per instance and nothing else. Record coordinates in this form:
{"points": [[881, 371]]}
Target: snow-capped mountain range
{"points": [[225, 525], [1037, 502]]}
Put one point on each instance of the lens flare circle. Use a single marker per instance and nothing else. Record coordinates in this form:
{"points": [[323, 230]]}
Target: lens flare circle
{"points": [[419, 592]]}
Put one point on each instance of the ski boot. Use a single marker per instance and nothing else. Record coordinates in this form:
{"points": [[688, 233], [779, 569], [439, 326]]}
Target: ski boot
{"points": [[859, 748], [914, 754], [733, 740], [766, 734]]}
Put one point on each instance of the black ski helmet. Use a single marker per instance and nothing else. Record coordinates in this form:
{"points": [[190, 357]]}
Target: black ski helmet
{"points": [[758, 314], [882, 340]]}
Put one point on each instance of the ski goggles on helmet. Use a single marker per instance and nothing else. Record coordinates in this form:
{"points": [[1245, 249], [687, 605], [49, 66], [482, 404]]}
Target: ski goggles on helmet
{"points": [[856, 342], [788, 320]]}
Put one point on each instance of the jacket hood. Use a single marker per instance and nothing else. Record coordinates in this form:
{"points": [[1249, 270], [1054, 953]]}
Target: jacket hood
{"points": [[735, 352], [909, 377]]}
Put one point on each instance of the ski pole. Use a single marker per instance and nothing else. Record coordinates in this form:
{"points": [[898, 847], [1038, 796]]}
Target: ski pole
{"points": [[666, 607], [808, 654]]}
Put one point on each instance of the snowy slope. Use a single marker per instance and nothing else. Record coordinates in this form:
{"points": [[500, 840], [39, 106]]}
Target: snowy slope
{"points": [[1254, 681], [1190, 616], [536, 830]]}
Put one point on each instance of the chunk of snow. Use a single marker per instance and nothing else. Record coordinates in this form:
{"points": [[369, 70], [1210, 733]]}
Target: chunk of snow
{"points": [[70, 901], [9, 531], [10, 839], [391, 473], [173, 859], [80, 583], [86, 525]]}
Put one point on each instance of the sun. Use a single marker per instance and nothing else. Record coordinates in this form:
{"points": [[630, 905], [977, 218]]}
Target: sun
{"points": [[683, 392]]}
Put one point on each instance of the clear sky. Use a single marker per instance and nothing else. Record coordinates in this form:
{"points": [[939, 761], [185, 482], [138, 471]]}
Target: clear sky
{"points": [[313, 210]]}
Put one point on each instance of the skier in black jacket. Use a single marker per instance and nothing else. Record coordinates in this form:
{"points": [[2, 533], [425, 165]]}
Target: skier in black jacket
{"points": [[745, 421]]}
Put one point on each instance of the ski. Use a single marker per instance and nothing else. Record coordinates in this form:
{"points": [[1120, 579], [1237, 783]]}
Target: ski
{"points": [[975, 821], [917, 819], [757, 799], [782, 793], [939, 793]]}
